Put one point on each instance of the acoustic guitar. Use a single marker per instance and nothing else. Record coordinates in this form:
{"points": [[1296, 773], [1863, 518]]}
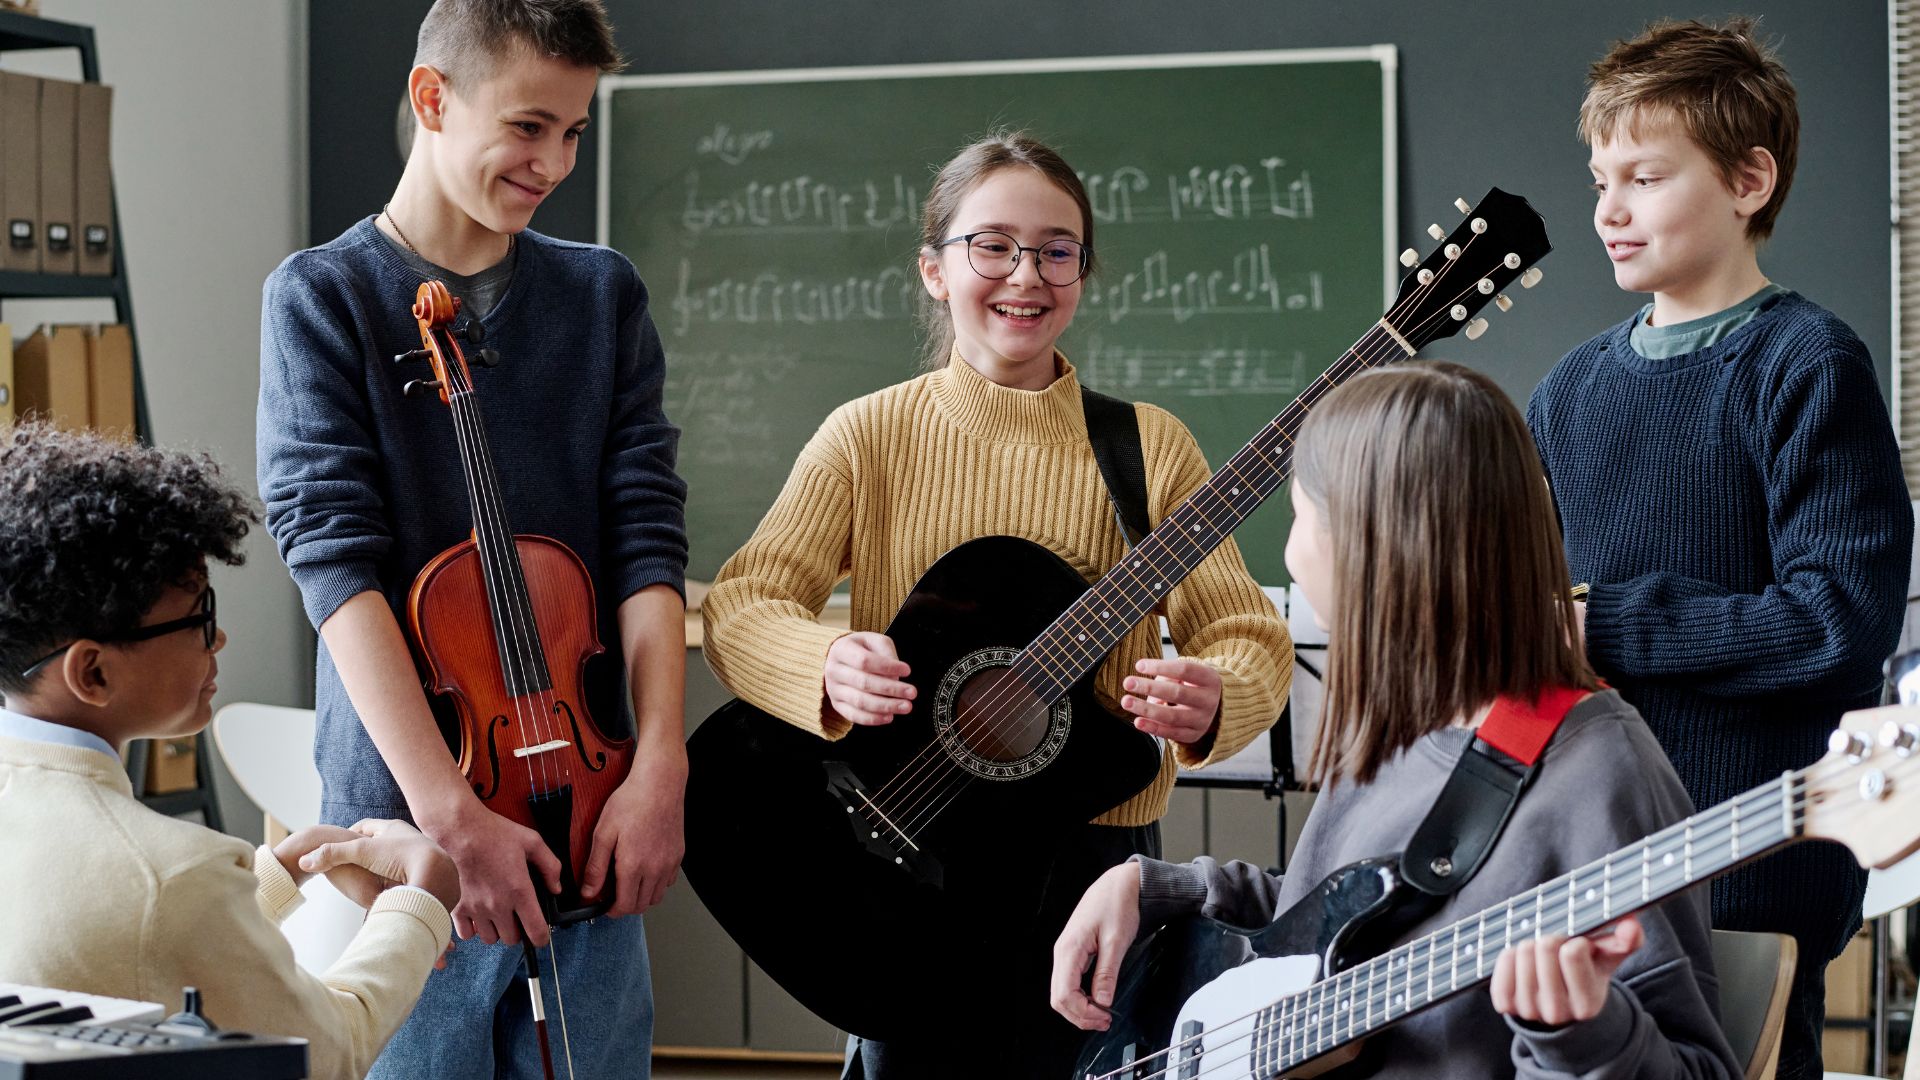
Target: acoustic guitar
{"points": [[871, 875]]}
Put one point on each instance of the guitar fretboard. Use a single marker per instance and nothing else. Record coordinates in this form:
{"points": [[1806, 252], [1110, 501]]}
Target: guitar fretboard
{"points": [[1083, 634], [1369, 996]]}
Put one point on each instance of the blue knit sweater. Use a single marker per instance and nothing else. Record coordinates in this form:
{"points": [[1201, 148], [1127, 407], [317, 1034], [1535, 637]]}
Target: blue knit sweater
{"points": [[1741, 516], [363, 486]]}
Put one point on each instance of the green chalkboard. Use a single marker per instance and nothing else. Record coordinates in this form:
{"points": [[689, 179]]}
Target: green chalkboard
{"points": [[1242, 204]]}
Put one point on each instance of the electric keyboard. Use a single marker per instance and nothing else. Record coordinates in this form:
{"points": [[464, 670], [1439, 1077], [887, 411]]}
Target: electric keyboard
{"points": [[50, 1034]]}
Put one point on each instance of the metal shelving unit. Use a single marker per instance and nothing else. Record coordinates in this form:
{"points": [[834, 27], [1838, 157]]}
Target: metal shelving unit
{"points": [[20, 32]]}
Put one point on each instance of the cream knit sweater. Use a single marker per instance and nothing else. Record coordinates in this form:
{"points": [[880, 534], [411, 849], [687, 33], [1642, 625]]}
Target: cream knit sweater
{"points": [[104, 896], [893, 480]]}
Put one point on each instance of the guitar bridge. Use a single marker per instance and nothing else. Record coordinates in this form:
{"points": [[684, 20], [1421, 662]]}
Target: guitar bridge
{"points": [[878, 833]]}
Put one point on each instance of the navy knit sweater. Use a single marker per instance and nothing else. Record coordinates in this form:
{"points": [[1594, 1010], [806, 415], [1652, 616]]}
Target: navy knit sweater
{"points": [[363, 486], [1741, 516]]}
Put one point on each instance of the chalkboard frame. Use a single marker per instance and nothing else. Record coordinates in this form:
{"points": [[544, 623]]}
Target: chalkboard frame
{"points": [[1386, 56]]}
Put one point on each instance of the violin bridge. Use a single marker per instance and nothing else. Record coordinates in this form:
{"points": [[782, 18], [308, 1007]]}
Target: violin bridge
{"points": [[543, 748]]}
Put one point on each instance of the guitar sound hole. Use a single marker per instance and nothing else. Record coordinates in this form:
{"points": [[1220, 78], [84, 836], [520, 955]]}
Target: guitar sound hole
{"points": [[998, 717]]}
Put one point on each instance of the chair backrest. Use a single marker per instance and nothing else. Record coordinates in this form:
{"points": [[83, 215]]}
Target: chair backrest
{"points": [[1755, 971], [269, 750]]}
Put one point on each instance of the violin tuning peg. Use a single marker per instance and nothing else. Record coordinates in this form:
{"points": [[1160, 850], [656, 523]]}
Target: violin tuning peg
{"points": [[1531, 278], [1436, 232], [487, 358], [1462, 205], [1500, 301], [415, 387], [1409, 258], [1475, 329], [474, 332], [416, 354]]}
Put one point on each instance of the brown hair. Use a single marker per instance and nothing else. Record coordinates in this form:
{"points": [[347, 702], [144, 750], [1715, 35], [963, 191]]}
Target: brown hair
{"points": [[955, 181], [1450, 583], [1725, 89], [466, 39]]}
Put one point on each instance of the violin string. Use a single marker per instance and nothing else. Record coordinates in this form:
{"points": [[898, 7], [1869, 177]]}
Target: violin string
{"points": [[922, 799], [469, 444]]}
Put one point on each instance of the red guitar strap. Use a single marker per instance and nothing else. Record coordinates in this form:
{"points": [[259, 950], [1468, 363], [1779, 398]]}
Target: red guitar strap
{"points": [[1495, 769]]}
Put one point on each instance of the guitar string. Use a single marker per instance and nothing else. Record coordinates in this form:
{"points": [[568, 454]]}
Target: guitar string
{"points": [[1317, 1038], [1355, 355], [1303, 403], [1143, 551]]}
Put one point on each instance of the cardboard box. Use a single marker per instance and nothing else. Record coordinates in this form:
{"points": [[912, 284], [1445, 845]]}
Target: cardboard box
{"points": [[110, 381], [172, 765], [93, 180], [20, 171], [50, 376], [59, 109], [6, 374]]}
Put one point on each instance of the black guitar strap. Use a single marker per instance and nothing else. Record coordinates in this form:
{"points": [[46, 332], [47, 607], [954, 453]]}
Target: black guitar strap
{"points": [[1114, 432], [1496, 768]]}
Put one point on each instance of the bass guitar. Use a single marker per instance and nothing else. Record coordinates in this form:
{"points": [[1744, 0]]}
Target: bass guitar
{"points": [[1296, 997], [935, 830]]}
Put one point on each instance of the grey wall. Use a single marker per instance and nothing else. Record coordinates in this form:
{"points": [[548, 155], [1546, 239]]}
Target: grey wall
{"points": [[209, 160], [1488, 95]]}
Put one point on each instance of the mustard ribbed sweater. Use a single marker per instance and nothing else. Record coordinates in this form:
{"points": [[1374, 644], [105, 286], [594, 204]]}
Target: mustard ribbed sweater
{"points": [[894, 480]]}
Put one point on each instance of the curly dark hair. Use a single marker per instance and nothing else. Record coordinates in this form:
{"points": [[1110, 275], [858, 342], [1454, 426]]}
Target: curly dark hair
{"points": [[92, 530]]}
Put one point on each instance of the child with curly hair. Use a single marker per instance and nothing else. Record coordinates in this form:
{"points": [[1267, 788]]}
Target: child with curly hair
{"points": [[108, 634]]}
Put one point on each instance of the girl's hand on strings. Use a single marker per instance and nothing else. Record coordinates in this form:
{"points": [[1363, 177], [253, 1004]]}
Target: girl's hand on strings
{"points": [[1555, 980]]}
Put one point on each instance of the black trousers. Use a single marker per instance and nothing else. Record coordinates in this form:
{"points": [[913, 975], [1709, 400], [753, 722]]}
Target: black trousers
{"points": [[1015, 1033]]}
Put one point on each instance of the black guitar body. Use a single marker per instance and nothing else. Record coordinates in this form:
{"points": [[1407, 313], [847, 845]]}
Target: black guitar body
{"points": [[877, 878], [1350, 916]]}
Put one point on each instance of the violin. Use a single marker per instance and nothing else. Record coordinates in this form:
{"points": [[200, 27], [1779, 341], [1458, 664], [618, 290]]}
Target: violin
{"points": [[503, 626]]}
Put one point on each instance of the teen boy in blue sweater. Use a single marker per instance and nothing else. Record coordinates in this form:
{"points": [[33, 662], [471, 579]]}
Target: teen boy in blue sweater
{"points": [[1725, 469], [363, 486]]}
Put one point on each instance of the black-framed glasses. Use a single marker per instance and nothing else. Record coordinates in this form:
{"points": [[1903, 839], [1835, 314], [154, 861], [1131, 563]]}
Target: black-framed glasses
{"points": [[995, 255], [203, 617]]}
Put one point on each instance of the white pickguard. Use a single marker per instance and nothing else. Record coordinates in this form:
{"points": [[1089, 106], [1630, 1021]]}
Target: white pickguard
{"points": [[1226, 1006]]}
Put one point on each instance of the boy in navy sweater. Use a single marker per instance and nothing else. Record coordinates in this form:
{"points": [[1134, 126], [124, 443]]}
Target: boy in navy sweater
{"points": [[363, 486], [1725, 469]]}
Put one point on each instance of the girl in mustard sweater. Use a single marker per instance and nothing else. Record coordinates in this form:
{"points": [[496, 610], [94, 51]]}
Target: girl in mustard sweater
{"points": [[993, 441]]}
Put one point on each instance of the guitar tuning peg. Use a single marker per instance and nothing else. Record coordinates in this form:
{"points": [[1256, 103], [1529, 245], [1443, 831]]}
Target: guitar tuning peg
{"points": [[1462, 205], [1475, 329], [1409, 258], [1436, 232], [475, 333], [416, 387], [1502, 302], [416, 354], [487, 358], [1531, 278]]}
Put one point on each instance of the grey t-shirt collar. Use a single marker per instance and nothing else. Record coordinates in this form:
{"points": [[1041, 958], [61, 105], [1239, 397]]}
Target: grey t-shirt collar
{"points": [[1679, 339]]}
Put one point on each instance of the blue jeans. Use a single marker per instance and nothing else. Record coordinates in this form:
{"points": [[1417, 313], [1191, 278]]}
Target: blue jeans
{"points": [[473, 1019]]}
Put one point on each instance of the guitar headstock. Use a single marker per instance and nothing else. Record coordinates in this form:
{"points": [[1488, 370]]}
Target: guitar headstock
{"points": [[1495, 244], [1865, 793]]}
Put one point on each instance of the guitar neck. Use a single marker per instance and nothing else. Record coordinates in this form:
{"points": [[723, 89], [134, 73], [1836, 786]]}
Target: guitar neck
{"points": [[1369, 996], [1083, 634]]}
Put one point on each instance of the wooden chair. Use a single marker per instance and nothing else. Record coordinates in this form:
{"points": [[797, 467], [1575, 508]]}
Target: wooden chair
{"points": [[1756, 972]]}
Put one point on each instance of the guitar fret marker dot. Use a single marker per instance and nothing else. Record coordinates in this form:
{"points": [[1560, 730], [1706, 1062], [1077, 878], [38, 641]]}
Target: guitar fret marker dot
{"points": [[1667, 860]]}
